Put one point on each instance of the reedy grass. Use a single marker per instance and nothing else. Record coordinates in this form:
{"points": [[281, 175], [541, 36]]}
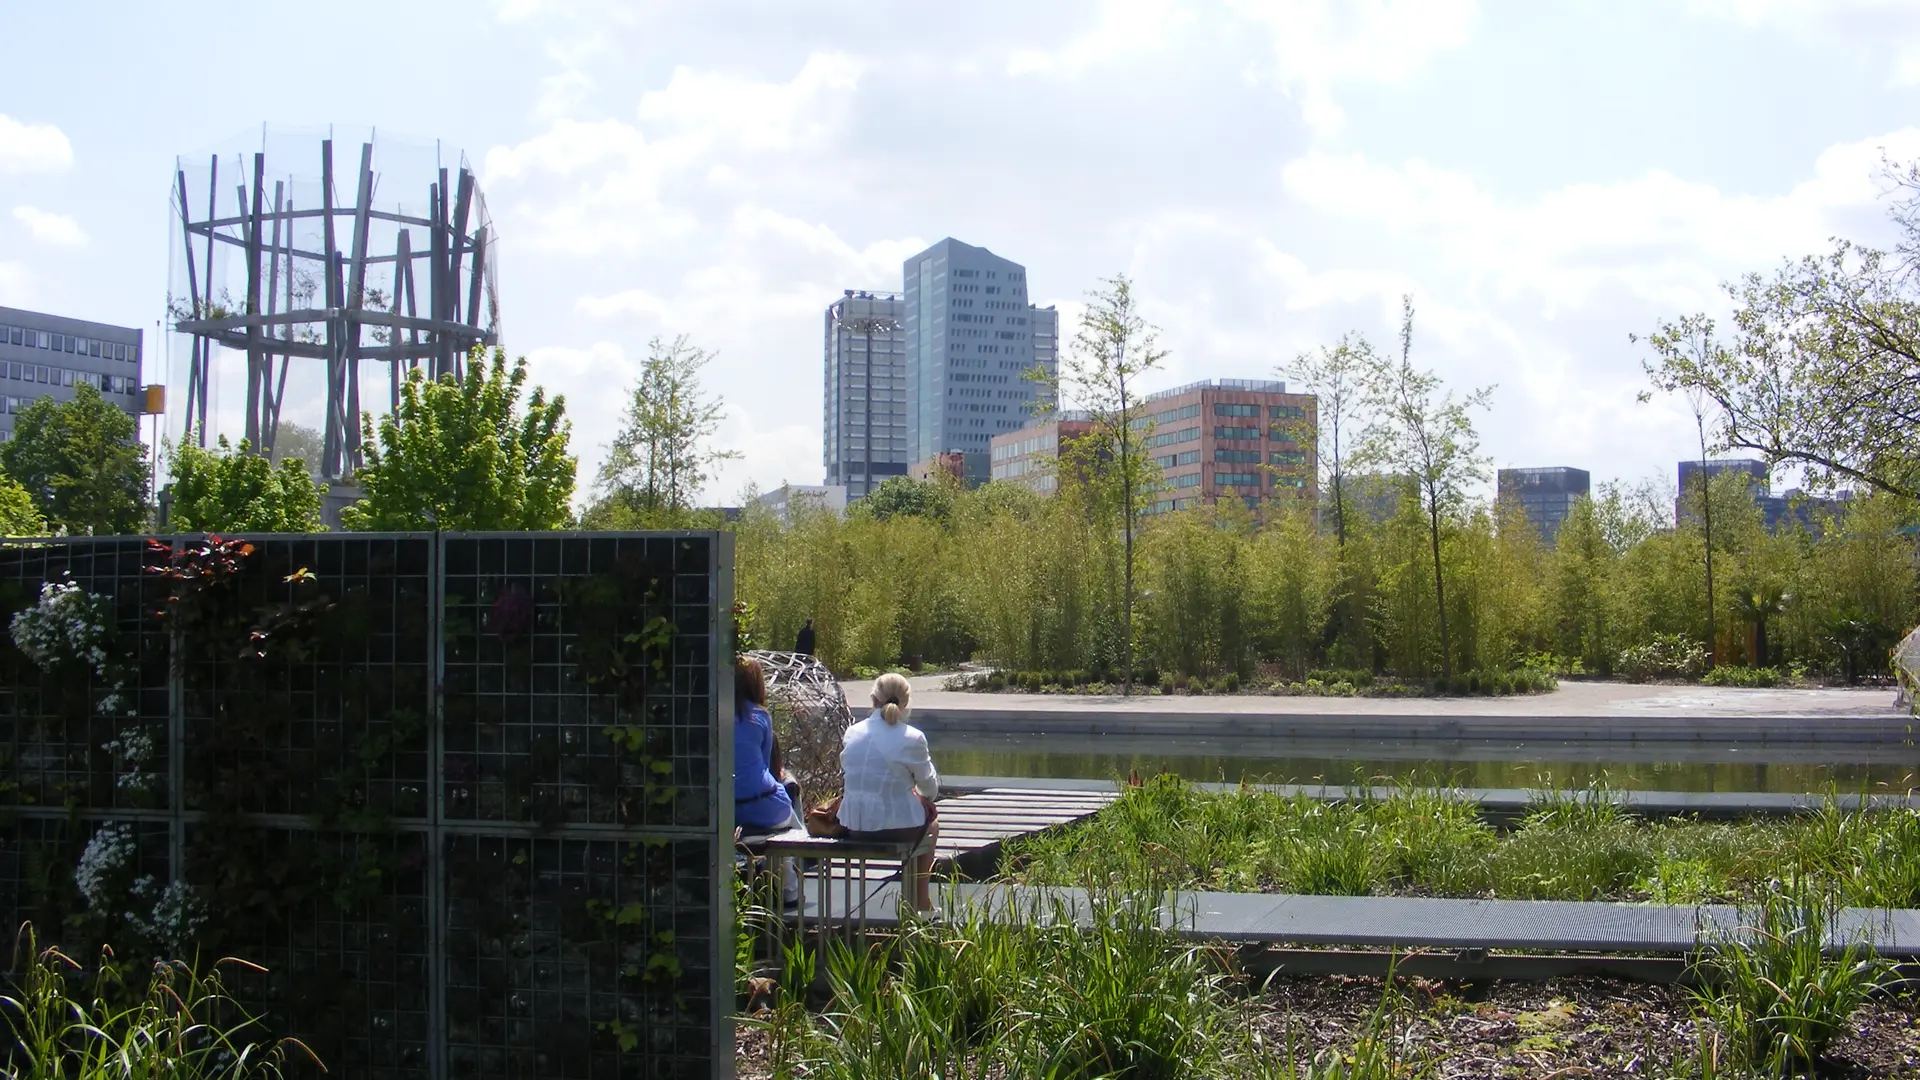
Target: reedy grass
{"points": [[1571, 846], [182, 1025], [1776, 989], [1054, 990]]}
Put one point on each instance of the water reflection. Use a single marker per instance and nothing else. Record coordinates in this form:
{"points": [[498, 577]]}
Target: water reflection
{"points": [[1637, 766]]}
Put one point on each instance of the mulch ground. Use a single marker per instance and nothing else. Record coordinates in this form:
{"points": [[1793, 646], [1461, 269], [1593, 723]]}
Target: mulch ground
{"points": [[1562, 1029], [1568, 1029]]}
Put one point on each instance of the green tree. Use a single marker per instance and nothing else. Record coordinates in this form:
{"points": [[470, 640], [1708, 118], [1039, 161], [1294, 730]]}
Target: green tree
{"points": [[467, 455], [662, 458], [82, 462], [18, 515], [1337, 377], [1824, 367], [1424, 432], [904, 496], [1682, 345], [1112, 350], [300, 443], [228, 490]]}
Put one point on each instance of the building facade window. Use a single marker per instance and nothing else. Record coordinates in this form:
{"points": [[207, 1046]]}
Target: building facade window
{"points": [[1228, 432], [1236, 479], [1171, 437], [1222, 408], [1237, 457]]}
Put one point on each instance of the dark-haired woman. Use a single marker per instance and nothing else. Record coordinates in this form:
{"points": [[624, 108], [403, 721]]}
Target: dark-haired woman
{"points": [[761, 802]]}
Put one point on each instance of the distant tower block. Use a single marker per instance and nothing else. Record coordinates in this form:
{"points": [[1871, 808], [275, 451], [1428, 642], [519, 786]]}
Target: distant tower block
{"points": [[277, 267]]}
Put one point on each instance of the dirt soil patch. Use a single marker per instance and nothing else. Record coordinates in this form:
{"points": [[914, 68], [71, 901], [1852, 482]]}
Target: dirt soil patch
{"points": [[1564, 1029], [1569, 1029]]}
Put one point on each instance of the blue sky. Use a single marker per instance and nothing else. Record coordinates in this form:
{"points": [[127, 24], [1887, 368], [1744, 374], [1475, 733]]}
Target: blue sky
{"points": [[1545, 178]]}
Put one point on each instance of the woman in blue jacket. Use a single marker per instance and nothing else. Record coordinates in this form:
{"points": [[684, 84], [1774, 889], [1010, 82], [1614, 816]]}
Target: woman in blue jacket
{"points": [[761, 801]]}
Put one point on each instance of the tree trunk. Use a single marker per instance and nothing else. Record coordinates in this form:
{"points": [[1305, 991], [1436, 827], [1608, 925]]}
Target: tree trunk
{"points": [[1440, 590]]}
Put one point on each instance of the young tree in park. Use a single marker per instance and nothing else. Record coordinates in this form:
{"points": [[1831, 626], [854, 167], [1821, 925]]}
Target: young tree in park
{"points": [[1689, 344], [1337, 377], [1824, 367], [227, 490], [467, 455], [1101, 373], [1423, 431], [662, 457], [82, 462]]}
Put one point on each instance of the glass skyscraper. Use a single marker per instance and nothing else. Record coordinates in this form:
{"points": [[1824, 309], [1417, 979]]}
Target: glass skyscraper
{"points": [[970, 337], [865, 420]]}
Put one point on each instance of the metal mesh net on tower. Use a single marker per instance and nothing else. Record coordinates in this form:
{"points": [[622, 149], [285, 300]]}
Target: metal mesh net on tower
{"points": [[297, 266], [810, 716]]}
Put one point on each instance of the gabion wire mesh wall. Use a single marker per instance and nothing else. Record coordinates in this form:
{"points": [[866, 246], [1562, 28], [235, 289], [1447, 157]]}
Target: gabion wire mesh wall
{"points": [[459, 793]]}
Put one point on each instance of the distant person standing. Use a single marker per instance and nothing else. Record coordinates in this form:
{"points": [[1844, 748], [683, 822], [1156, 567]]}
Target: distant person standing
{"points": [[803, 644]]}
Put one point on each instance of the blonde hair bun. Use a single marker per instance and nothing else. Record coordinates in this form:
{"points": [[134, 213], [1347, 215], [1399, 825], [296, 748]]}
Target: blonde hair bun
{"points": [[890, 694]]}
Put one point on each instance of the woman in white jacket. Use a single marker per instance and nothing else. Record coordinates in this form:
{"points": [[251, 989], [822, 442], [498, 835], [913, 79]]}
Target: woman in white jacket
{"points": [[890, 781]]}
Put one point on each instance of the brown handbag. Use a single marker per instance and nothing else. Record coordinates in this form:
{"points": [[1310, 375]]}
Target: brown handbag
{"points": [[823, 820]]}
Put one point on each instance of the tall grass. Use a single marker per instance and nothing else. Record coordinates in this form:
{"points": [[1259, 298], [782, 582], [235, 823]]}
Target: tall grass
{"points": [[182, 1025], [1050, 989], [1777, 989], [1420, 840]]}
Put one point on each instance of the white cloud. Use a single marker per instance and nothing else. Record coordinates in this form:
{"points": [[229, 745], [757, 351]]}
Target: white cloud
{"points": [[1874, 23], [586, 187], [16, 286], [47, 227], [26, 148], [1125, 29], [1319, 44], [1661, 237]]}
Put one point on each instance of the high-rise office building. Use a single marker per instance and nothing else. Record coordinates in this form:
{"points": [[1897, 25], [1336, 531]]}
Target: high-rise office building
{"points": [[1546, 494], [866, 391], [47, 356], [971, 337]]}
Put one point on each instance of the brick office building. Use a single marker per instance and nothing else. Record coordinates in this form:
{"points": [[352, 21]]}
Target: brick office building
{"points": [[1245, 438]]}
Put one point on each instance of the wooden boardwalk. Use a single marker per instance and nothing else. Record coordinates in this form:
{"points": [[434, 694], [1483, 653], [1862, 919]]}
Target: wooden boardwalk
{"points": [[973, 827]]}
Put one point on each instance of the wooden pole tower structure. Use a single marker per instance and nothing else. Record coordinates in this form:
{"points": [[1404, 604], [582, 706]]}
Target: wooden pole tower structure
{"points": [[330, 283]]}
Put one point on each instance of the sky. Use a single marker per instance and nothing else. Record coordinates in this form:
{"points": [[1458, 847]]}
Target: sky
{"points": [[1544, 179]]}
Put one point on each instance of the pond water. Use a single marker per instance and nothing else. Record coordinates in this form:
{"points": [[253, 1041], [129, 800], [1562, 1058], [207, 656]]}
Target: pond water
{"points": [[1642, 767]]}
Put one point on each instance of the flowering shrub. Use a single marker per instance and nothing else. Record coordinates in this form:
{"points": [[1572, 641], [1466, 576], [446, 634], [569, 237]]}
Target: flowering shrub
{"points": [[166, 917], [68, 625], [1667, 656]]}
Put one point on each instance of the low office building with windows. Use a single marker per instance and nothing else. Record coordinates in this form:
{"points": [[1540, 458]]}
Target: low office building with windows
{"points": [[48, 355], [1795, 507], [1244, 438], [1546, 495], [1030, 456], [786, 499]]}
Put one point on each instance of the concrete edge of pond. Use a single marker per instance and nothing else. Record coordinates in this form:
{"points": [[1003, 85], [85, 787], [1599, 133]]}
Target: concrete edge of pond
{"points": [[1404, 923], [1504, 802], [1891, 730]]}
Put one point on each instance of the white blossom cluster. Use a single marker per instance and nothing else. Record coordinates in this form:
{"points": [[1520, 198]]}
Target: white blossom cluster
{"points": [[71, 624], [135, 748], [106, 855], [168, 915], [177, 913], [68, 623]]}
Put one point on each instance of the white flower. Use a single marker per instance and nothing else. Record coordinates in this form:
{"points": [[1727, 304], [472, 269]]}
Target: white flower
{"points": [[105, 856], [177, 913]]}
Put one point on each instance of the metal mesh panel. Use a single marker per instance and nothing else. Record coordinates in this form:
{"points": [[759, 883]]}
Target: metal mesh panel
{"points": [[55, 729], [459, 793]]}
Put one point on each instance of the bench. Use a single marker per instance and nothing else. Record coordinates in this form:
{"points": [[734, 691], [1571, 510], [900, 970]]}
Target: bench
{"points": [[857, 880]]}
